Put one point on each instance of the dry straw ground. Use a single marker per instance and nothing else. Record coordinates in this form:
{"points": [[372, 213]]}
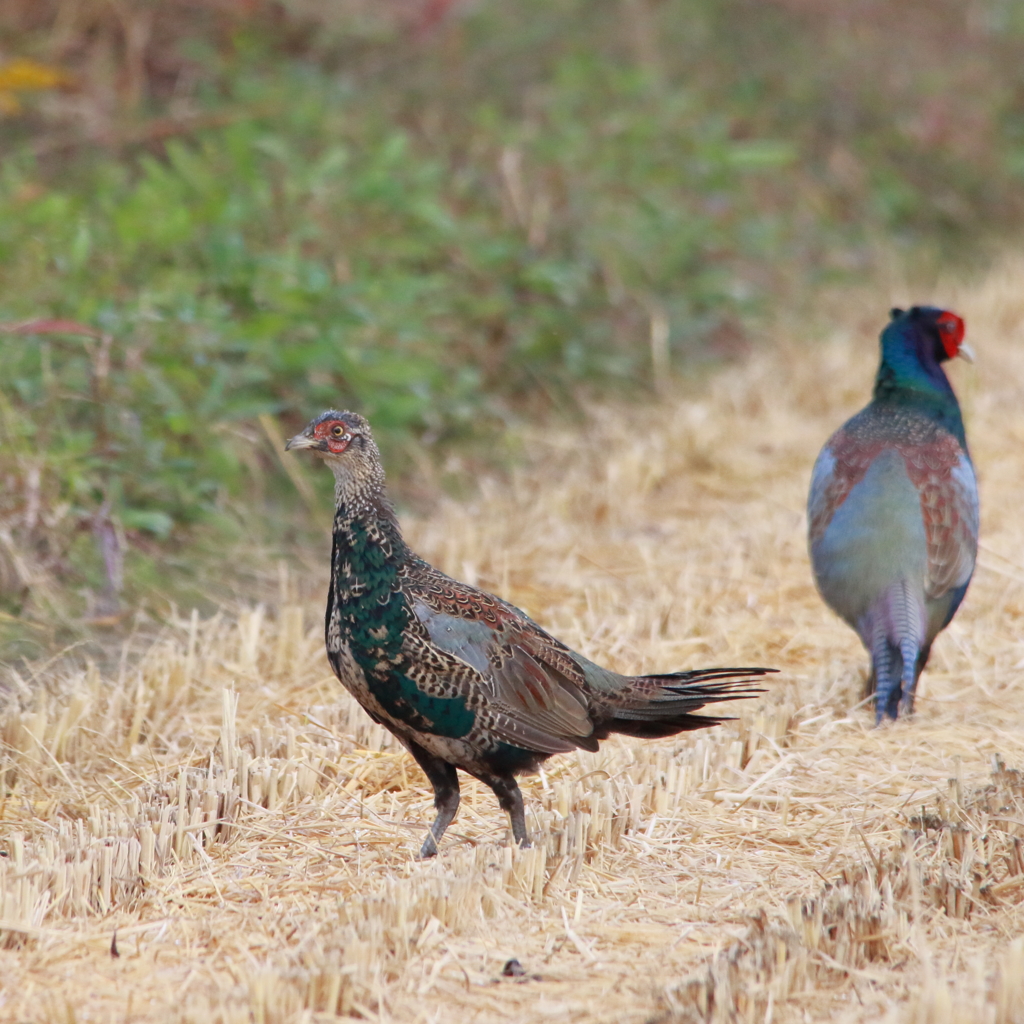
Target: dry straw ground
{"points": [[248, 836]]}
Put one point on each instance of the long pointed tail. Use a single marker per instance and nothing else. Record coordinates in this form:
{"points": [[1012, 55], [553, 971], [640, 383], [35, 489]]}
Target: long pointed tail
{"points": [[663, 705]]}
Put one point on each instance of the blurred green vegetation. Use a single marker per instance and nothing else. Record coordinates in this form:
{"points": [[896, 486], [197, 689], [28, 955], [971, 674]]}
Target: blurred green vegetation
{"points": [[444, 215]]}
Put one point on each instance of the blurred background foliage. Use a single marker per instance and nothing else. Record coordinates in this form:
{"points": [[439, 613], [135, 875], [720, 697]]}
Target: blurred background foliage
{"points": [[218, 217]]}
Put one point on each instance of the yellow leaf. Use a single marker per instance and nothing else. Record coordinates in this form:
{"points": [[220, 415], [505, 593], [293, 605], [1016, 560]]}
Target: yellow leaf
{"points": [[29, 75]]}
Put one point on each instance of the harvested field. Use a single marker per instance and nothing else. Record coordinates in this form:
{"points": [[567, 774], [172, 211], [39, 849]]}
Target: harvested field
{"points": [[216, 833]]}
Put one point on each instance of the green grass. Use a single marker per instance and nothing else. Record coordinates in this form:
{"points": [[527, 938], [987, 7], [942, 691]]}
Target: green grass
{"points": [[445, 234]]}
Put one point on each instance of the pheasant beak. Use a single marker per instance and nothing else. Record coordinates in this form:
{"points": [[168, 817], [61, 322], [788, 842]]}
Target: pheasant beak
{"points": [[965, 352], [305, 441]]}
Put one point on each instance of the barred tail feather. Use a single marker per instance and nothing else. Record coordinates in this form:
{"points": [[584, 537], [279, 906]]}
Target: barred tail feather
{"points": [[910, 652], [886, 674], [713, 683], [895, 631], [669, 711]]}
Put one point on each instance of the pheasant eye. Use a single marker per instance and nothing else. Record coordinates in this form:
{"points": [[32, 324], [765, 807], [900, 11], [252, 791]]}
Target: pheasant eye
{"points": [[338, 431]]}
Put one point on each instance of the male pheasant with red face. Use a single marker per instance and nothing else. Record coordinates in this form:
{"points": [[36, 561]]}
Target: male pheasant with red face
{"points": [[462, 678], [893, 508]]}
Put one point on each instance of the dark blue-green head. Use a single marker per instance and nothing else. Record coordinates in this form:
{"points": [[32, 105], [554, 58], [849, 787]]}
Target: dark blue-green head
{"points": [[915, 344]]}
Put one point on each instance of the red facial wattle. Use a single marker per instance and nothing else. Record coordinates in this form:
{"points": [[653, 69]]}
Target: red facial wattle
{"points": [[335, 435], [951, 331]]}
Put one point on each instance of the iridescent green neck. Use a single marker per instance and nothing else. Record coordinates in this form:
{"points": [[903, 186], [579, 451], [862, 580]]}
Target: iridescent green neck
{"points": [[910, 376], [368, 553], [370, 605]]}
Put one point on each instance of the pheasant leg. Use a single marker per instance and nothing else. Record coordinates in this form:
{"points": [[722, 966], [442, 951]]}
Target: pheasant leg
{"points": [[445, 780], [510, 797]]}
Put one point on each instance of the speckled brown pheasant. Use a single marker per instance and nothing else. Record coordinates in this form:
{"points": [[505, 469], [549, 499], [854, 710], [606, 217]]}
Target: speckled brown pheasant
{"points": [[462, 678]]}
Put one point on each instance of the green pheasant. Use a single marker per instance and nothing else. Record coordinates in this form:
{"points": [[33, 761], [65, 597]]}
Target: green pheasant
{"points": [[893, 508], [462, 678]]}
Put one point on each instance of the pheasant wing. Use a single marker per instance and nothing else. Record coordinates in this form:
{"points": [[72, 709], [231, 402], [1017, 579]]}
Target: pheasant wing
{"points": [[529, 690], [840, 466], [944, 477], [529, 700]]}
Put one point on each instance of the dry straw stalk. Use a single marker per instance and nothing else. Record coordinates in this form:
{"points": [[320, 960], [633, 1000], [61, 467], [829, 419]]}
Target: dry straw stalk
{"points": [[216, 833]]}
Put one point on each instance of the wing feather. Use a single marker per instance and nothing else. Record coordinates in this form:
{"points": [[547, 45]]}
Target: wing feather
{"points": [[840, 466], [949, 504], [533, 703]]}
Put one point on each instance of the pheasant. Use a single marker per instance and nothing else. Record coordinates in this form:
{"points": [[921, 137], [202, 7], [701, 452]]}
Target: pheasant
{"points": [[463, 678], [893, 507]]}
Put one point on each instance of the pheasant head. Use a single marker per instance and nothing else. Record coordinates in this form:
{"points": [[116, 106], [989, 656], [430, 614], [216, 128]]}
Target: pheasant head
{"points": [[922, 337], [343, 440], [915, 344]]}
